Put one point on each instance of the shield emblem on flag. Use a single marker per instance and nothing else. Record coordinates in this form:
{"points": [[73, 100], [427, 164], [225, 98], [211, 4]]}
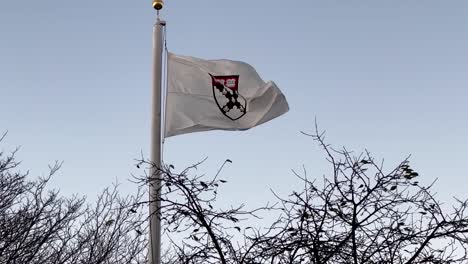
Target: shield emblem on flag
{"points": [[226, 94]]}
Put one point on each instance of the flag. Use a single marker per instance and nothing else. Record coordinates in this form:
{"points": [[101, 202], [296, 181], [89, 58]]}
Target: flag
{"points": [[207, 95]]}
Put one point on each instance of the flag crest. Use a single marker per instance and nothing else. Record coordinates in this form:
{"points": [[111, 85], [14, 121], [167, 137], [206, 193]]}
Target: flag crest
{"points": [[227, 96]]}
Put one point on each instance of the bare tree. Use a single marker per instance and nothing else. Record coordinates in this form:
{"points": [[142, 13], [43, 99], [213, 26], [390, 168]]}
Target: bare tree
{"points": [[364, 214], [360, 213], [199, 231], [37, 225]]}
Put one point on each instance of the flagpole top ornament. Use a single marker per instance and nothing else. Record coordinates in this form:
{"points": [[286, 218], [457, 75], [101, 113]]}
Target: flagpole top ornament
{"points": [[158, 4]]}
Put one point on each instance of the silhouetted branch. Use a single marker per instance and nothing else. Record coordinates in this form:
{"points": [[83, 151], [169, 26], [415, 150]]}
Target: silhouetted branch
{"points": [[37, 225]]}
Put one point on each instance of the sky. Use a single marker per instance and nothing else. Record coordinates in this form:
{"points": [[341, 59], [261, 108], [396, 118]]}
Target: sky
{"points": [[387, 76]]}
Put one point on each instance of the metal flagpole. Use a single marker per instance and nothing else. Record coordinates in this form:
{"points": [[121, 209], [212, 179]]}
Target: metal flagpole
{"points": [[156, 139]]}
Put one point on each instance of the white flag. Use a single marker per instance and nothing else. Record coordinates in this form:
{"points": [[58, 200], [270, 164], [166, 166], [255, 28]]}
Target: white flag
{"points": [[206, 95]]}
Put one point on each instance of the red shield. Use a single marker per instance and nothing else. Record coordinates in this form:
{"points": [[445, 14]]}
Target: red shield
{"points": [[226, 94]]}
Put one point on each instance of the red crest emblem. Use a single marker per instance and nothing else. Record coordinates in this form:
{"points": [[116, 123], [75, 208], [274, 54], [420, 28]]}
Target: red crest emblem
{"points": [[226, 94]]}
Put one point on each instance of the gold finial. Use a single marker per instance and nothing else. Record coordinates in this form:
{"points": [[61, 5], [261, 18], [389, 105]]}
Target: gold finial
{"points": [[158, 4]]}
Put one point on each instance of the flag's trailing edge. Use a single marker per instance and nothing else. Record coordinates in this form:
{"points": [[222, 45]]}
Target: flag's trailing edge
{"points": [[206, 95]]}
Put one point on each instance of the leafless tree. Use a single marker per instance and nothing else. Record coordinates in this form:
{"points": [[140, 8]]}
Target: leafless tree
{"points": [[360, 213], [37, 225], [364, 214], [200, 231]]}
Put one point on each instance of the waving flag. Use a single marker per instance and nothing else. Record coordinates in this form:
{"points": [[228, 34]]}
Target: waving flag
{"points": [[206, 95]]}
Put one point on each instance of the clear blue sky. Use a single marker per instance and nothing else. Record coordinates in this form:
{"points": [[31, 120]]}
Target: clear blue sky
{"points": [[389, 76]]}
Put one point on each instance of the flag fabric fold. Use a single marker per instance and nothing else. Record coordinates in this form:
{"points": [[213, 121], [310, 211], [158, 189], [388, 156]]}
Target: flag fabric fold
{"points": [[207, 95]]}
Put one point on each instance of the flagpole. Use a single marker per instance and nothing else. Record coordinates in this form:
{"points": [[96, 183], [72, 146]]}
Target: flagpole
{"points": [[154, 256]]}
